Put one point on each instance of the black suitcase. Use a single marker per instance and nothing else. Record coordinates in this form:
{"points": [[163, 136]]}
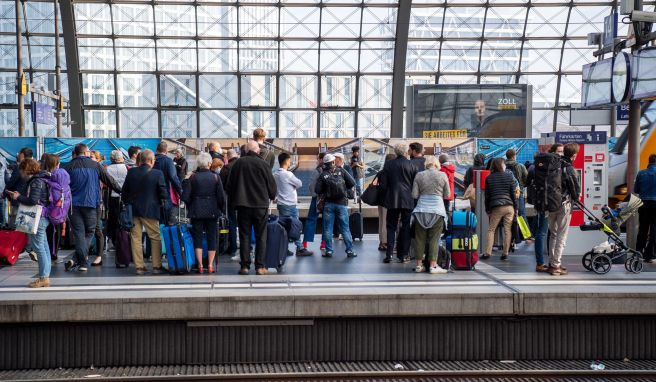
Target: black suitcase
{"points": [[356, 224], [276, 244]]}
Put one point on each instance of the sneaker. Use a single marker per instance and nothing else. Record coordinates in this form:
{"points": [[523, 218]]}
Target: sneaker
{"points": [[504, 257], [41, 282], [420, 269], [541, 268], [32, 256], [262, 271], [327, 254], [158, 271], [563, 271], [323, 245], [236, 257], [141, 271], [304, 252], [351, 254], [68, 265], [387, 260], [403, 260], [557, 271], [437, 270], [83, 268], [243, 271]]}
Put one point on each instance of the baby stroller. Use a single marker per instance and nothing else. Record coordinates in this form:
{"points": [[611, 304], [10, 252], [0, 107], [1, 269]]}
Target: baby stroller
{"points": [[600, 259]]}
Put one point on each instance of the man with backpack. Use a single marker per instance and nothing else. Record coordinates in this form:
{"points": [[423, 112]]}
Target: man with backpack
{"points": [[520, 173], [331, 188], [645, 187]]}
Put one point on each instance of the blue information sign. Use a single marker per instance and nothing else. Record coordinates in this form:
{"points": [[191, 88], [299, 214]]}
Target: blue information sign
{"points": [[581, 137], [610, 29], [42, 113], [623, 113]]}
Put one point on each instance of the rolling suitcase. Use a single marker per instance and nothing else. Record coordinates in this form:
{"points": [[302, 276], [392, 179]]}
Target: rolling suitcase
{"points": [[356, 224], [123, 248], [179, 247], [276, 244], [12, 244], [464, 260]]}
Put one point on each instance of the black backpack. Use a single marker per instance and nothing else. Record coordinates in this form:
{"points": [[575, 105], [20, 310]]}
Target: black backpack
{"points": [[546, 189], [513, 168], [335, 184]]}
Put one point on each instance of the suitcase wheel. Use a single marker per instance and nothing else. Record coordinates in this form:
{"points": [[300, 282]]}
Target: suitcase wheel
{"points": [[279, 269]]}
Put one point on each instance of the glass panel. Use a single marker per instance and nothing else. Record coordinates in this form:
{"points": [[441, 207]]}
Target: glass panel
{"points": [[298, 124], [542, 121], [258, 90], [340, 22], [339, 56], [337, 124], [96, 53], [135, 54], [175, 20], [374, 124], [541, 55], [98, 89], [7, 21], [426, 22], [455, 79], [8, 52], [381, 1], [544, 89], [177, 90], [137, 90], [100, 123], [217, 55], [219, 124], [586, 20], [178, 124], [299, 22], [464, 22], [502, 79], [460, 56], [505, 22], [570, 90], [299, 56], [138, 123], [337, 91], [261, 119], [546, 21], [8, 89], [377, 56], [298, 92], [258, 55], [42, 50], [176, 55], [216, 21], [133, 19], [500, 56], [258, 21], [92, 19], [416, 80], [379, 22], [577, 53], [375, 92], [422, 56], [301, 1], [218, 91], [8, 123], [40, 16]]}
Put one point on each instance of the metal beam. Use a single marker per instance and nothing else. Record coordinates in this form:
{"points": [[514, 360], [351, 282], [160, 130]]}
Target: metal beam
{"points": [[398, 79], [73, 69], [19, 71]]}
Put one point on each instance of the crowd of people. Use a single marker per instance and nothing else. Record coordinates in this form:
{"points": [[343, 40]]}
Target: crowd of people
{"points": [[416, 196]]}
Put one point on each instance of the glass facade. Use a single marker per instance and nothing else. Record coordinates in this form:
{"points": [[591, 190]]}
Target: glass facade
{"points": [[296, 68]]}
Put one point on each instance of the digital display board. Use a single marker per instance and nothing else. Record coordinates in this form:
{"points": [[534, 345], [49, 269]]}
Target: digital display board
{"points": [[484, 111], [643, 74], [596, 86]]}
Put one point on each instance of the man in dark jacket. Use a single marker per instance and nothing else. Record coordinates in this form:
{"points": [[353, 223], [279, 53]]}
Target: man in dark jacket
{"points": [[520, 173], [145, 190], [479, 164], [181, 165], [331, 186], [232, 214], [214, 149], [259, 135], [645, 187], [396, 184], [416, 153], [86, 176], [251, 187], [165, 164]]}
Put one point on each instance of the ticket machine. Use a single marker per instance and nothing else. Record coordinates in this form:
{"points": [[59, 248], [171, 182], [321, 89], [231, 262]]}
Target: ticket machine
{"points": [[591, 165]]}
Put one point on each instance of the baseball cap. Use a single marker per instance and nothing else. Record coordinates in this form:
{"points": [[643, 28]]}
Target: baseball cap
{"points": [[328, 158], [339, 155]]}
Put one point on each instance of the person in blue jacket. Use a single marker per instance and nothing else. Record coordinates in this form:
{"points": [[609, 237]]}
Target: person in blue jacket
{"points": [[645, 187], [86, 176], [173, 184]]}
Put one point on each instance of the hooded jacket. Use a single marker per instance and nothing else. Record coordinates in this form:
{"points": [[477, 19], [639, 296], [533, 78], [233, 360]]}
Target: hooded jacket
{"points": [[479, 164], [450, 170]]}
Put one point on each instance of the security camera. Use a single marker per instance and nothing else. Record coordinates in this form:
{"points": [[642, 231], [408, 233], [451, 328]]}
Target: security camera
{"points": [[643, 16]]}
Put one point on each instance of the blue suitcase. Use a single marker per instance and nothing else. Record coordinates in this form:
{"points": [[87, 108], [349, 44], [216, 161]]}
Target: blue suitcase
{"points": [[179, 247], [463, 220], [277, 244]]}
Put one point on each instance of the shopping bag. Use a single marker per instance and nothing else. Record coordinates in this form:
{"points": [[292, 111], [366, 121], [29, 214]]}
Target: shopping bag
{"points": [[523, 227], [28, 218]]}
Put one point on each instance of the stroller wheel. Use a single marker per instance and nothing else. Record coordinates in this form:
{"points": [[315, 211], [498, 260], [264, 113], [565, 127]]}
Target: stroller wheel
{"points": [[586, 260], [601, 263], [635, 265]]}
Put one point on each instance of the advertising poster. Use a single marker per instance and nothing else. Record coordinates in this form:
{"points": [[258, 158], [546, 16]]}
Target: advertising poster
{"points": [[64, 146], [9, 147]]}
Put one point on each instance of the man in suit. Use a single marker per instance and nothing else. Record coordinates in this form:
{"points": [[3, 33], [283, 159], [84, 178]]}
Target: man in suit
{"points": [[145, 190]]}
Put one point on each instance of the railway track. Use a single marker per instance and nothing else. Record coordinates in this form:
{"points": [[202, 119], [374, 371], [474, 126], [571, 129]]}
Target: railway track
{"points": [[411, 371]]}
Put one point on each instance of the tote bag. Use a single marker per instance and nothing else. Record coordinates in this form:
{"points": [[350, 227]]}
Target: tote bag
{"points": [[28, 218]]}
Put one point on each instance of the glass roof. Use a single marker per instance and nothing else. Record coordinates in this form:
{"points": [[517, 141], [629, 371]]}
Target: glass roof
{"points": [[297, 68]]}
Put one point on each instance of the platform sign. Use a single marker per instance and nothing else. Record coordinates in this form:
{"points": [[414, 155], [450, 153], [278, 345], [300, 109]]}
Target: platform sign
{"points": [[582, 137], [622, 114], [610, 30], [42, 113]]}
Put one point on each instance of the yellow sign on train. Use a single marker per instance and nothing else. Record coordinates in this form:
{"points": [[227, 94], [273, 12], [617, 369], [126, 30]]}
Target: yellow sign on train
{"points": [[437, 134]]}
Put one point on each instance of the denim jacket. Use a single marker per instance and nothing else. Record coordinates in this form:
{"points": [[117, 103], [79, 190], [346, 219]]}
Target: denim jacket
{"points": [[645, 184]]}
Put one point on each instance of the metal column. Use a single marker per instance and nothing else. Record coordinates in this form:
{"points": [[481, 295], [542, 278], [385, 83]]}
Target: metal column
{"points": [[20, 89], [60, 102], [398, 79], [73, 69]]}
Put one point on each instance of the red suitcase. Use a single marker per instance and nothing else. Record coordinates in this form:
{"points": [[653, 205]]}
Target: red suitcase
{"points": [[12, 244], [464, 260]]}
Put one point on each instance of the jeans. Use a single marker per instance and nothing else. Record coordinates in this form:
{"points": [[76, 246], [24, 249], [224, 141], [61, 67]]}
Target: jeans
{"points": [[232, 235], [540, 233], [521, 205], [255, 219], [392, 219], [336, 213], [83, 227], [39, 244], [290, 211], [646, 242], [359, 185], [311, 222]]}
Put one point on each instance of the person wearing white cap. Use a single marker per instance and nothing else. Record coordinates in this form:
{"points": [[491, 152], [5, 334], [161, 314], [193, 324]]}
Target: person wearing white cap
{"points": [[331, 187]]}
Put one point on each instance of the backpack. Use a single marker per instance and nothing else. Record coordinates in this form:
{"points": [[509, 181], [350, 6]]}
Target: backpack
{"points": [[59, 196], [547, 188], [513, 167], [335, 184]]}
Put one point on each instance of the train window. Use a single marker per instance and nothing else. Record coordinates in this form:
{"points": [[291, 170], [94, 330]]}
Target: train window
{"points": [[646, 121]]}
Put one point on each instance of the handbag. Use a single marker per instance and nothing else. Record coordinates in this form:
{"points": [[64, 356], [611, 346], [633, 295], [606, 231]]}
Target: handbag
{"points": [[125, 217], [523, 227], [28, 218], [372, 195], [175, 198]]}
